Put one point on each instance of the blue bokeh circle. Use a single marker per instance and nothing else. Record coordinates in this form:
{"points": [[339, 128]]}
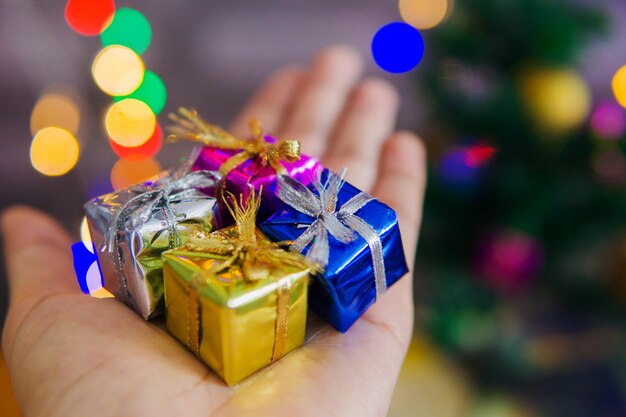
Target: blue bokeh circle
{"points": [[397, 47]]}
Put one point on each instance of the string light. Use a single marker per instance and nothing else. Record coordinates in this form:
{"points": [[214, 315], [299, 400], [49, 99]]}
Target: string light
{"points": [[89, 17], [54, 151], [126, 173], [129, 28], [55, 109], [152, 91], [130, 122], [423, 14], [117, 70], [145, 151]]}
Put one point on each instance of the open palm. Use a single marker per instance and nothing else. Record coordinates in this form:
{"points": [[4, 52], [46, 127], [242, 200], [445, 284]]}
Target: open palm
{"points": [[69, 354]]}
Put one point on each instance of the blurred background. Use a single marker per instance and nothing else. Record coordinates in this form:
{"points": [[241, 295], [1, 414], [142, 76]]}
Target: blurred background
{"points": [[521, 270]]}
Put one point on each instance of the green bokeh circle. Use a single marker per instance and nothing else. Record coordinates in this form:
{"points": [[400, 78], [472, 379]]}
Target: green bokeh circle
{"points": [[152, 91], [129, 28]]}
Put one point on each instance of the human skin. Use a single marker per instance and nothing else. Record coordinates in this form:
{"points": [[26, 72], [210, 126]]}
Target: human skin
{"points": [[72, 355]]}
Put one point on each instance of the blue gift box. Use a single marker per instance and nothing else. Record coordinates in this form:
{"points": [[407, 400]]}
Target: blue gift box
{"points": [[347, 287]]}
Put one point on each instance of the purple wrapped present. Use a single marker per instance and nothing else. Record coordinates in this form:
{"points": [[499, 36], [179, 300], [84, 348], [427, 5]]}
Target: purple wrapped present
{"points": [[246, 164]]}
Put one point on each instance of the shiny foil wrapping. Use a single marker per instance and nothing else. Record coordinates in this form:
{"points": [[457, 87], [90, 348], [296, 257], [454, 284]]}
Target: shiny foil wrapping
{"points": [[235, 325], [254, 174], [141, 242], [347, 287]]}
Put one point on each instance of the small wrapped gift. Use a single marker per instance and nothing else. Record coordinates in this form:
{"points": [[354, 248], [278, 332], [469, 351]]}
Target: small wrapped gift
{"points": [[353, 235], [131, 228], [234, 298], [245, 163]]}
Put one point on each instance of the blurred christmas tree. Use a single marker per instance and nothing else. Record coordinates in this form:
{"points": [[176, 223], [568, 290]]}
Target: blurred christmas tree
{"points": [[526, 203]]}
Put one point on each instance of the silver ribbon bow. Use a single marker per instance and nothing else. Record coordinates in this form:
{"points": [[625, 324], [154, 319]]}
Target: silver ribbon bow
{"points": [[152, 196], [341, 223]]}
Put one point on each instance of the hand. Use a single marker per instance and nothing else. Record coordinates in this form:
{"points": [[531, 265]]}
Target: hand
{"points": [[73, 355]]}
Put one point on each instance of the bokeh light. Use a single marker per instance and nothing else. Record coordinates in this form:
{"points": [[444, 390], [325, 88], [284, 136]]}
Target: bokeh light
{"points": [[54, 151], [508, 260], [102, 293], [145, 151], [397, 47], [93, 278], [152, 91], [129, 28], [460, 167], [423, 14], [609, 165], [619, 86], [126, 173], [478, 155], [86, 267], [85, 235], [117, 70], [559, 100], [608, 121], [89, 17], [130, 122], [55, 109]]}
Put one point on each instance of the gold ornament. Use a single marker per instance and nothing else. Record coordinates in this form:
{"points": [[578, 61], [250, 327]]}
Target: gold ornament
{"points": [[557, 99]]}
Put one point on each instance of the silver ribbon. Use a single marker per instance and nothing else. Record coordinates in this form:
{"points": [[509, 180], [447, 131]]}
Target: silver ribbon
{"points": [[341, 223], [152, 196]]}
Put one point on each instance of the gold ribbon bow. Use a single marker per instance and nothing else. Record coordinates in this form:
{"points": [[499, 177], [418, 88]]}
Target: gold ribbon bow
{"points": [[189, 126], [258, 260]]}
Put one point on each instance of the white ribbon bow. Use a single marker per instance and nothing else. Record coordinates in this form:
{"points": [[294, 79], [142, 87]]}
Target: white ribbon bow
{"points": [[341, 223], [153, 196]]}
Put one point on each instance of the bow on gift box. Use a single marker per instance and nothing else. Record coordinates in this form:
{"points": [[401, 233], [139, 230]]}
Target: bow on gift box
{"points": [[339, 222], [192, 127], [152, 196], [258, 259]]}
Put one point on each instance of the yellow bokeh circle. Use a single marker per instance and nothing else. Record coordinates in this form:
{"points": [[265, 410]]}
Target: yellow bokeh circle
{"points": [[423, 14], [619, 86], [130, 122], [55, 109], [117, 70], [559, 100], [54, 151]]}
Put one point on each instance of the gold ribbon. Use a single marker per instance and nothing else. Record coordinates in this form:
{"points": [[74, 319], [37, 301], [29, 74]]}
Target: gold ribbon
{"points": [[189, 126], [258, 260]]}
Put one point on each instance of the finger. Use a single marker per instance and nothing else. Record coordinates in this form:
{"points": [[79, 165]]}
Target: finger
{"points": [[38, 254], [270, 103], [401, 184], [323, 94], [368, 119]]}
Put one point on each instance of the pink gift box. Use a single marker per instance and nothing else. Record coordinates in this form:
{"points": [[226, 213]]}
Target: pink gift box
{"points": [[254, 174]]}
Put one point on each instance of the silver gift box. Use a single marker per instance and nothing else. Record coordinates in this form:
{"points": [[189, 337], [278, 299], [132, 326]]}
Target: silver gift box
{"points": [[131, 228]]}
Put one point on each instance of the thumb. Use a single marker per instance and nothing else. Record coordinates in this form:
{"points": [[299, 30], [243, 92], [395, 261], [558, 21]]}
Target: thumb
{"points": [[37, 253], [38, 262]]}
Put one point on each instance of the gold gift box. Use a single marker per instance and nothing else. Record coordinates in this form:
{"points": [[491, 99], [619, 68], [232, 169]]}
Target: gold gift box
{"points": [[238, 308]]}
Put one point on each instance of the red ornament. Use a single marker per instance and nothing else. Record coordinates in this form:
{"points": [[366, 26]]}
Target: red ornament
{"points": [[508, 260], [89, 17], [478, 155], [145, 151]]}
